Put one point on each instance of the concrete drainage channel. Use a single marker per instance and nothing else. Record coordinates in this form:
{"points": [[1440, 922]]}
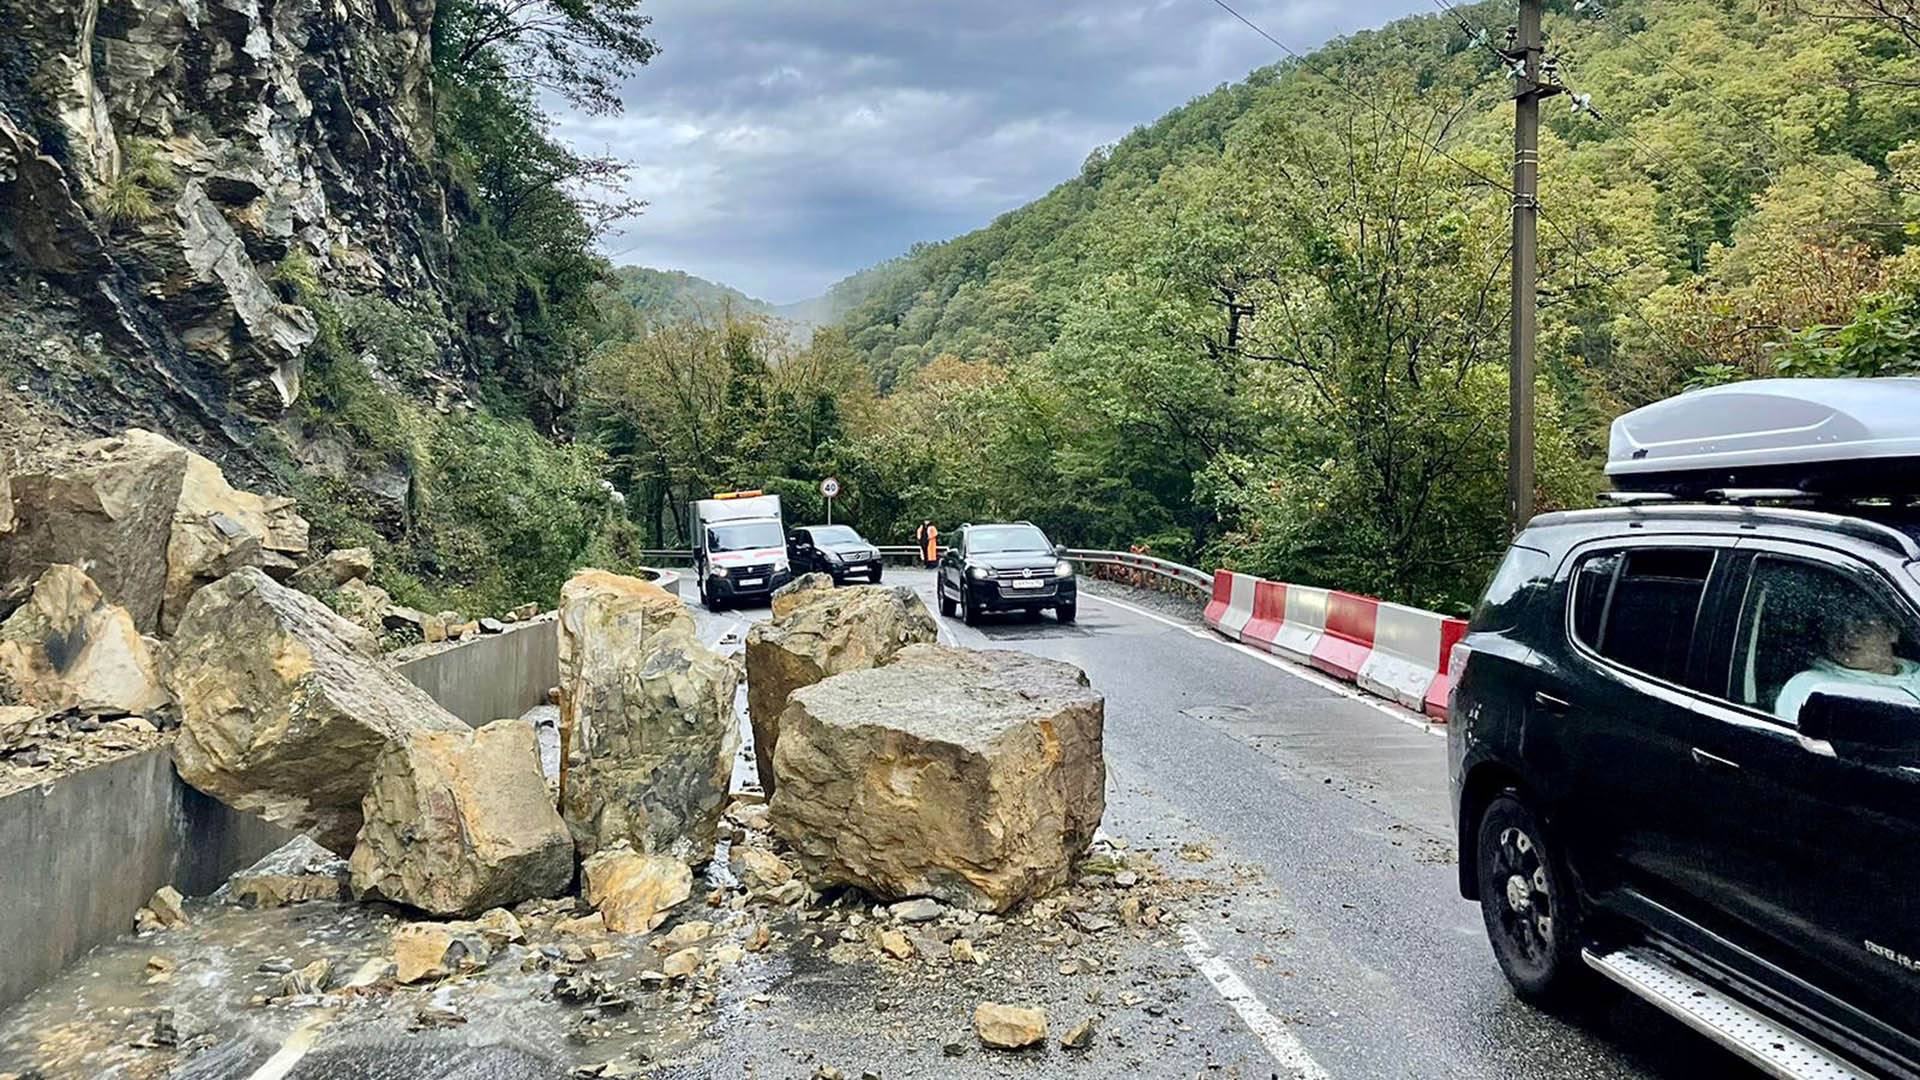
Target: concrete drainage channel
{"points": [[130, 825]]}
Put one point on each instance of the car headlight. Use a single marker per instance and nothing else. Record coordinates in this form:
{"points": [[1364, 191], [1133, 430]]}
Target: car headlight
{"points": [[834, 556], [1063, 568], [977, 573], [719, 571]]}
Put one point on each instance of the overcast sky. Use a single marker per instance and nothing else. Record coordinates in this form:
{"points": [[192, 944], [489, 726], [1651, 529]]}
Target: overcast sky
{"points": [[784, 144]]}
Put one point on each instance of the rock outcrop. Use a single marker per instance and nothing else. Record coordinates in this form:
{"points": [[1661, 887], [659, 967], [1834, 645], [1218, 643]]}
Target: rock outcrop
{"points": [[653, 723], [816, 632], [973, 777], [106, 506], [172, 156], [285, 706], [67, 648], [459, 822]]}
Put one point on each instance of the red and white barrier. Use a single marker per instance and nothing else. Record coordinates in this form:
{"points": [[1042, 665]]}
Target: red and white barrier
{"points": [[1232, 605], [1305, 621], [1397, 652]]}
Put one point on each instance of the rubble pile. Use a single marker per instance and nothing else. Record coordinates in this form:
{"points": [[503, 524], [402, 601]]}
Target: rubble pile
{"points": [[975, 777], [285, 706], [654, 731], [816, 631]]}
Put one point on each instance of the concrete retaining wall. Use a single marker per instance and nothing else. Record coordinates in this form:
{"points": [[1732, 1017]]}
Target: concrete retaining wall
{"points": [[492, 677], [83, 853]]}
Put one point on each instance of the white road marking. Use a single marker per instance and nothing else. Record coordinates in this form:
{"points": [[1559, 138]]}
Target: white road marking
{"points": [[1281, 1044], [1325, 682]]}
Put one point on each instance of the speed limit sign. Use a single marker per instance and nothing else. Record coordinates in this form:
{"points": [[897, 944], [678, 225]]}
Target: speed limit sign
{"points": [[830, 487]]}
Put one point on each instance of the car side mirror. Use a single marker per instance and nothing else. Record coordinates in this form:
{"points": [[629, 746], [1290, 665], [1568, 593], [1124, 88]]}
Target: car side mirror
{"points": [[1864, 721], [1060, 550]]}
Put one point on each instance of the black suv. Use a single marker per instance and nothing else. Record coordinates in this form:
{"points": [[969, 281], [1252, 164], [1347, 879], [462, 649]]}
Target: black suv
{"points": [[832, 549], [1685, 754], [1005, 568]]}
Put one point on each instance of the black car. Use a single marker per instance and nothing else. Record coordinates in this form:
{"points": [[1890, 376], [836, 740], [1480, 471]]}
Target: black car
{"points": [[1685, 754], [1005, 568], [833, 549]]}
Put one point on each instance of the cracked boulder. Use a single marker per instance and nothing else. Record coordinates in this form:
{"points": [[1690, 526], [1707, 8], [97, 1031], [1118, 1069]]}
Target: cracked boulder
{"points": [[632, 892], [973, 777], [285, 706], [68, 648], [217, 529], [653, 723], [817, 632], [105, 505], [459, 822]]}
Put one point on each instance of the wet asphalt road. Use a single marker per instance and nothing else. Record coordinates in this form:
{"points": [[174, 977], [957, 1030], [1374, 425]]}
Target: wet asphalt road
{"points": [[1354, 936]]}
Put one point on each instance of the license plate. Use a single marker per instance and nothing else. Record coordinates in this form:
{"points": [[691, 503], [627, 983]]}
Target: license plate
{"points": [[749, 582], [1026, 584]]}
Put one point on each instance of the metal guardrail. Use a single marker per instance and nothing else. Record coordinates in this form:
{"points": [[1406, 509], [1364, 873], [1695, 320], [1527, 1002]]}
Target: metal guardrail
{"points": [[1164, 568]]}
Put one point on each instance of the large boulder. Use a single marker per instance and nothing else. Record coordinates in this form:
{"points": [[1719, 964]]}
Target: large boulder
{"points": [[285, 706], [67, 648], [653, 731], [459, 822], [817, 632], [149, 520], [973, 777], [653, 750], [105, 505], [218, 529]]}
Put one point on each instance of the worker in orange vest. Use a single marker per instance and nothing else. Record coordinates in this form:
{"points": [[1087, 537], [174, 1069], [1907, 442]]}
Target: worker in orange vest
{"points": [[927, 538]]}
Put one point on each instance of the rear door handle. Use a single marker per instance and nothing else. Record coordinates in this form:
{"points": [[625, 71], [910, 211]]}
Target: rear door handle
{"points": [[1549, 702], [1714, 761]]}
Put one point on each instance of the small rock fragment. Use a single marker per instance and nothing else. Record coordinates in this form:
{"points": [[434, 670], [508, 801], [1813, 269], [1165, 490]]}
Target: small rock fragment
{"points": [[1009, 1027], [917, 910], [895, 944], [311, 979], [1080, 1037], [682, 964]]}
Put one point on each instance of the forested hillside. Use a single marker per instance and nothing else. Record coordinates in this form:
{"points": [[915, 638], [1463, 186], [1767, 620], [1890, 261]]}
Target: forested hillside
{"points": [[673, 294], [1269, 328]]}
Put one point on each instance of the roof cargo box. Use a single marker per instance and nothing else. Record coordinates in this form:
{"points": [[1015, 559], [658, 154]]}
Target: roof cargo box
{"points": [[1831, 437]]}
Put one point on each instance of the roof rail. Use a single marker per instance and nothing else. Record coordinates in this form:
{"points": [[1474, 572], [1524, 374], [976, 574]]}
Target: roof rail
{"points": [[1859, 528]]}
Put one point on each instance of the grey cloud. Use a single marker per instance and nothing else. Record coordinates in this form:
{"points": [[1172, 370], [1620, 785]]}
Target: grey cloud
{"points": [[782, 146]]}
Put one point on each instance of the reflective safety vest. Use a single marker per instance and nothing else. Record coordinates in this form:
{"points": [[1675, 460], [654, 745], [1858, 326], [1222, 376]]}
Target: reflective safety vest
{"points": [[930, 544]]}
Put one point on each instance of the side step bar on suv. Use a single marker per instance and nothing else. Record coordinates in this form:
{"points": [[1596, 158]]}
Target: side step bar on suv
{"points": [[1764, 1042]]}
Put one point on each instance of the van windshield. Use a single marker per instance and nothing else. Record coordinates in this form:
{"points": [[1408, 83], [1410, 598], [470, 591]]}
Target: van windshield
{"points": [[745, 536]]}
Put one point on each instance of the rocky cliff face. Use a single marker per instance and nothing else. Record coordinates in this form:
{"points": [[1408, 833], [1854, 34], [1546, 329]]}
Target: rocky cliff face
{"points": [[168, 170]]}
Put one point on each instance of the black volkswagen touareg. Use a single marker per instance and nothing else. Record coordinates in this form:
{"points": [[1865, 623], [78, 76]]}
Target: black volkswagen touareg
{"points": [[1005, 568], [1685, 755]]}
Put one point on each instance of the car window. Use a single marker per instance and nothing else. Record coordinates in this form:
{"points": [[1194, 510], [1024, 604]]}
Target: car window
{"points": [[1518, 576], [1804, 627], [1638, 607]]}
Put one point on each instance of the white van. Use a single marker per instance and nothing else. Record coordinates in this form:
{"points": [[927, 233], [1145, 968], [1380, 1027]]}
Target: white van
{"points": [[739, 547]]}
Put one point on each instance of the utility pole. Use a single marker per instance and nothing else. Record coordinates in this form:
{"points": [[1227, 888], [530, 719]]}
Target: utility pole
{"points": [[1529, 87]]}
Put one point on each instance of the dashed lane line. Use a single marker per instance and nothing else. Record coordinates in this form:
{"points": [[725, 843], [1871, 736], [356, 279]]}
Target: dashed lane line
{"points": [[1281, 1044], [1404, 716]]}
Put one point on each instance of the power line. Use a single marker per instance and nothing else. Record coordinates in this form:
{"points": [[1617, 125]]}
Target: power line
{"points": [[1391, 120]]}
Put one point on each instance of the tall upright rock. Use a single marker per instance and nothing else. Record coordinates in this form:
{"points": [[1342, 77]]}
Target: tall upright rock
{"points": [[820, 631], [654, 730]]}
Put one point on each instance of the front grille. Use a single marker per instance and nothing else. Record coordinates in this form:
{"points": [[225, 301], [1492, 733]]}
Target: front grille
{"points": [[761, 570], [1019, 575]]}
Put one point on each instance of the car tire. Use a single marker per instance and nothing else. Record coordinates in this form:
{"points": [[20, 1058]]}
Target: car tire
{"points": [[946, 605], [1528, 903], [968, 613], [876, 575], [1067, 612]]}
